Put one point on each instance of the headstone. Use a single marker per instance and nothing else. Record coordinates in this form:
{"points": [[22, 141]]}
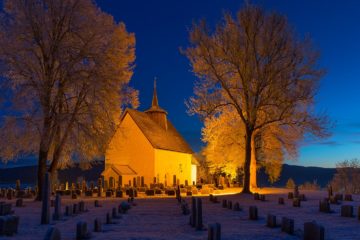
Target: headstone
{"points": [[290, 195], [68, 210], [5, 209], [224, 203], [313, 231], [199, 220], [229, 204], [262, 197], [214, 231], [108, 218], [57, 211], [281, 201], [82, 231], [193, 212], [271, 221], [324, 206], [287, 225], [142, 181], [46, 192], [9, 225], [96, 203], [97, 225], [296, 202], [256, 196], [237, 207], [347, 211], [296, 191], [253, 213], [75, 208], [52, 234], [118, 194], [114, 214], [82, 206], [302, 197], [124, 207], [19, 202]]}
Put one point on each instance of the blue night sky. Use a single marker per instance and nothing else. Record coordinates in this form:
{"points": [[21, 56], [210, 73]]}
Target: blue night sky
{"points": [[161, 28]]}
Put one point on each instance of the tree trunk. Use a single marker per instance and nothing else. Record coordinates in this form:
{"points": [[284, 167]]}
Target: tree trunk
{"points": [[247, 164], [253, 169], [41, 172]]}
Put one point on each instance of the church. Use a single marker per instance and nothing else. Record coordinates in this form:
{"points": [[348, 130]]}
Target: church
{"points": [[146, 148]]}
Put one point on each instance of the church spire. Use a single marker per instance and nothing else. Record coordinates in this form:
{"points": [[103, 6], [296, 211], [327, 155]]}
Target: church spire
{"points": [[155, 102], [156, 113]]}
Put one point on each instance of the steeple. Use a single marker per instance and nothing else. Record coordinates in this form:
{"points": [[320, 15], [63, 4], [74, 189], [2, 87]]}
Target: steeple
{"points": [[156, 113], [155, 102]]}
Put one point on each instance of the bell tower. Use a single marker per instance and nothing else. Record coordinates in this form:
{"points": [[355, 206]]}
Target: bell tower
{"points": [[156, 113]]}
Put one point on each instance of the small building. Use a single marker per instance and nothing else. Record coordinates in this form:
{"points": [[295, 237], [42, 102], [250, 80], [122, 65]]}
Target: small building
{"points": [[146, 148]]}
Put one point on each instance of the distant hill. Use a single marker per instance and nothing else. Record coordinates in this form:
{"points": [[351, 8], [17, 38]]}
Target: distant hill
{"points": [[299, 174]]}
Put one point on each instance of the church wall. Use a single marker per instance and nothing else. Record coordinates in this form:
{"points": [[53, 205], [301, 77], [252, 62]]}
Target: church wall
{"points": [[130, 147], [171, 163]]}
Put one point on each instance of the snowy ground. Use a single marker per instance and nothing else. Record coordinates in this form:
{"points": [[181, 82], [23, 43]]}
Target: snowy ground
{"points": [[161, 218]]}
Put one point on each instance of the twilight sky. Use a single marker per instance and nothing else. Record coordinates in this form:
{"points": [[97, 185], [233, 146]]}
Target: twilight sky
{"points": [[161, 27]]}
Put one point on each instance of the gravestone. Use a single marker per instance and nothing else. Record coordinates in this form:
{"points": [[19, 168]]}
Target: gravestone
{"points": [[224, 203], [57, 211], [142, 181], [296, 202], [324, 206], [193, 212], [19, 202], [119, 194], [108, 218], [199, 220], [68, 210], [271, 221], [97, 225], [82, 206], [281, 201], [237, 207], [287, 225], [82, 231], [96, 203], [229, 204], [9, 225], [114, 214], [5, 209], [45, 208], [214, 231], [52, 234], [313, 231], [75, 208], [290, 195], [296, 191], [256, 196], [253, 213], [347, 211]]}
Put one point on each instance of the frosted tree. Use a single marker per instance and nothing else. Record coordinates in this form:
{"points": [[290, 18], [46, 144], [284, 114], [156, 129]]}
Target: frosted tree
{"points": [[255, 65], [65, 72]]}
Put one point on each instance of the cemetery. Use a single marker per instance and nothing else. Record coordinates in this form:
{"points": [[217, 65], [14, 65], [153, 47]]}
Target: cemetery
{"points": [[133, 213]]}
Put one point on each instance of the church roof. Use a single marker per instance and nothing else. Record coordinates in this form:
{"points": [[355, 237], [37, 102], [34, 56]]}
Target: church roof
{"points": [[160, 138]]}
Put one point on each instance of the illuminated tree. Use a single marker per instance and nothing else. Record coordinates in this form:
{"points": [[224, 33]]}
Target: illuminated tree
{"points": [[255, 65], [65, 68]]}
